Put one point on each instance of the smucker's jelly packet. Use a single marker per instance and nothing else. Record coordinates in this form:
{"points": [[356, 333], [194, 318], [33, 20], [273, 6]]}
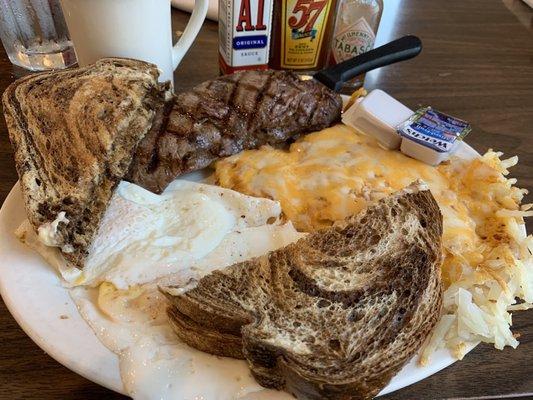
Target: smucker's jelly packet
{"points": [[434, 129]]}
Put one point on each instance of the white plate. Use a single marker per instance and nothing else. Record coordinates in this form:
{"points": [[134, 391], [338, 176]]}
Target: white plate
{"points": [[33, 294]]}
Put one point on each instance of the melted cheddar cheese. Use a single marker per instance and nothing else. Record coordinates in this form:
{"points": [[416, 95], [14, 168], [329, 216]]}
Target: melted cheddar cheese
{"points": [[329, 175], [487, 264]]}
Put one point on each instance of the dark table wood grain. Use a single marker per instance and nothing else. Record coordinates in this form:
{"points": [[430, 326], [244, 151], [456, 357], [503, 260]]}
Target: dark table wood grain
{"points": [[477, 64]]}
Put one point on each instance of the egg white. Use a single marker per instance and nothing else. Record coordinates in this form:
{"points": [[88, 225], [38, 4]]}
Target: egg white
{"points": [[144, 236], [154, 363], [146, 240]]}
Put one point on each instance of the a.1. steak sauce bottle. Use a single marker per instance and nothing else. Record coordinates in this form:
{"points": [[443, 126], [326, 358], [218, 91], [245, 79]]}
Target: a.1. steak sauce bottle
{"points": [[244, 28]]}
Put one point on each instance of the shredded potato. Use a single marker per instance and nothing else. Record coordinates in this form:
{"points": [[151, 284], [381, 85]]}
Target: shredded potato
{"points": [[481, 295]]}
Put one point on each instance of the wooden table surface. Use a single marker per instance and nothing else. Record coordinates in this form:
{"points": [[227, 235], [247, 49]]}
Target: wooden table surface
{"points": [[477, 64]]}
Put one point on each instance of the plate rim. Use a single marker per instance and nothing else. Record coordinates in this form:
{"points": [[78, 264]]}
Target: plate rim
{"points": [[33, 332]]}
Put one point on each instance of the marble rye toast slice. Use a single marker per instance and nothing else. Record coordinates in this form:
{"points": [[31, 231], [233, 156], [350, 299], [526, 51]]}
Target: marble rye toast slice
{"points": [[333, 316], [74, 133]]}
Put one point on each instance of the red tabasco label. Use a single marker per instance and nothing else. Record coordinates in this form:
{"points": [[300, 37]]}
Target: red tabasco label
{"points": [[352, 40], [244, 34], [303, 27]]}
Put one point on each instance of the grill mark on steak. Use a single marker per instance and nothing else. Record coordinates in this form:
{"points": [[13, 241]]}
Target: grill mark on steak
{"points": [[231, 103], [229, 114], [153, 163], [236, 108], [310, 116], [259, 99]]}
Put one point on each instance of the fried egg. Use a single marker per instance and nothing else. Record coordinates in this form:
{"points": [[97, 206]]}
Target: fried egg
{"points": [[146, 240], [190, 226], [154, 363]]}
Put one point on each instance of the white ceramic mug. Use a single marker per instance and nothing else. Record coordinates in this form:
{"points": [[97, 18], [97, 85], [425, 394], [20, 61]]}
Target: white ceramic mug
{"points": [[137, 29]]}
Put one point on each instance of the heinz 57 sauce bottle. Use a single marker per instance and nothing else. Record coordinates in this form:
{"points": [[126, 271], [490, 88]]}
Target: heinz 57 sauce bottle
{"points": [[302, 31], [243, 34]]}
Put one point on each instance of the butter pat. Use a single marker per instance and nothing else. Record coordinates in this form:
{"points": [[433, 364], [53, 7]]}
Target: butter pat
{"points": [[378, 114], [431, 136], [49, 236]]}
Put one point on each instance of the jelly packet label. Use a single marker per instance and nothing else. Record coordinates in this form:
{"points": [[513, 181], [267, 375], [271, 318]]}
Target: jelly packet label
{"points": [[434, 129]]}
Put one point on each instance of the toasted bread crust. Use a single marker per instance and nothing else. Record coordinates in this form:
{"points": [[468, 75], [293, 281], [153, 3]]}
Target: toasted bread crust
{"points": [[206, 339], [73, 133], [335, 315]]}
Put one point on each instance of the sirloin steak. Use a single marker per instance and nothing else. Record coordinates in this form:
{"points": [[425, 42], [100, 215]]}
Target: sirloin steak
{"points": [[226, 115]]}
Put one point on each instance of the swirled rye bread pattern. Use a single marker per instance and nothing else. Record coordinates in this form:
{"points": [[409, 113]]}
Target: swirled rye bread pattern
{"points": [[333, 316], [73, 133]]}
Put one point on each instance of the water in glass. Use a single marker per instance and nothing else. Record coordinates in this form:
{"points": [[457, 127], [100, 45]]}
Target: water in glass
{"points": [[35, 35]]}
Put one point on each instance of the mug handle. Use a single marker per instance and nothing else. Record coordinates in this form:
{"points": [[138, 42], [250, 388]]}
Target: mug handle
{"points": [[199, 13]]}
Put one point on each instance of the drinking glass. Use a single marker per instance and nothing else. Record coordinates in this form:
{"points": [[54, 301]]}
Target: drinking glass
{"points": [[35, 35]]}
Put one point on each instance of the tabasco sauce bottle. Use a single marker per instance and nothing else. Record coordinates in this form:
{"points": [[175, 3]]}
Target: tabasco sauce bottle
{"points": [[355, 31], [244, 28], [302, 31]]}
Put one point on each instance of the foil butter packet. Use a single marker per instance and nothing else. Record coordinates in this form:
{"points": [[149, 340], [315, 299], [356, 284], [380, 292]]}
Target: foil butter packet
{"points": [[431, 136]]}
